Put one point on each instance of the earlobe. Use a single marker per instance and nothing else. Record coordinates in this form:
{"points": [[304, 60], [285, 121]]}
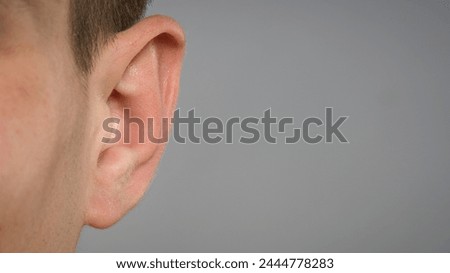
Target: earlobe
{"points": [[137, 74]]}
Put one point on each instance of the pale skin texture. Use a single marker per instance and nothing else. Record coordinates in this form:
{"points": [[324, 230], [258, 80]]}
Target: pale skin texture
{"points": [[56, 175]]}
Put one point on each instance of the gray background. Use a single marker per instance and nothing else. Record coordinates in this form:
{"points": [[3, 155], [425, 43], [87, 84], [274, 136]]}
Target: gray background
{"points": [[384, 63]]}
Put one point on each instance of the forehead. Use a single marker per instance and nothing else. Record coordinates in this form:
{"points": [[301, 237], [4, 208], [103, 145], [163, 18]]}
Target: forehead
{"points": [[17, 5], [44, 15], [31, 6]]}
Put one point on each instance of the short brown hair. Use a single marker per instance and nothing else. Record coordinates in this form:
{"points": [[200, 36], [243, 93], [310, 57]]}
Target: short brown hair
{"points": [[94, 22]]}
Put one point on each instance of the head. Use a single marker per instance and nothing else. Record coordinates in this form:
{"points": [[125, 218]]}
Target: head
{"points": [[66, 66]]}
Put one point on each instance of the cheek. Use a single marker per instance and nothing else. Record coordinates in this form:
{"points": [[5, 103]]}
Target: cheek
{"points": [[37, 146], [23, 111], [4, 151], [24, 152]]}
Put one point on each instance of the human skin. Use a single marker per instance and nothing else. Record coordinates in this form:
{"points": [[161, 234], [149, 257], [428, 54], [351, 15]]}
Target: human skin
{"points": [[56, 175]]}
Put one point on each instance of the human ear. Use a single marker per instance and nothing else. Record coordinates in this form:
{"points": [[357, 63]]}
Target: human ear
{"points": [[136, 77]]}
